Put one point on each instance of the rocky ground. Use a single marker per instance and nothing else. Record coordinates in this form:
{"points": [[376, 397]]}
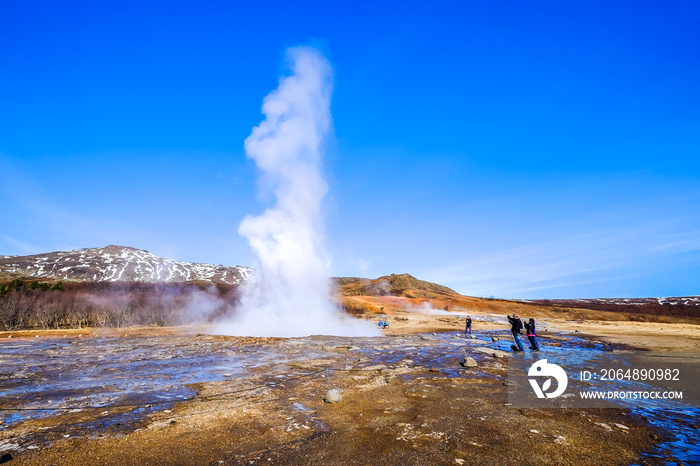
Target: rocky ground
{"points": [[405, 400], [656, 336]]}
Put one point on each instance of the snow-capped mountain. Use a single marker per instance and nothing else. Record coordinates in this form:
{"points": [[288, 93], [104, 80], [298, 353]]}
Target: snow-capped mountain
{"points": [[119, 263]]}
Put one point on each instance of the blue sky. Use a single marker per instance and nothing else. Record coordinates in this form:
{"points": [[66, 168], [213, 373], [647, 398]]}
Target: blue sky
{"points": [[516, 149]]}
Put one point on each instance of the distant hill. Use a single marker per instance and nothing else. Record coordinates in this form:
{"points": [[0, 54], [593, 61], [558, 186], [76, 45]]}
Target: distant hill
{"points": [[681, 306], [399, 292], [117, 264], [403, 285], [396, 291]]}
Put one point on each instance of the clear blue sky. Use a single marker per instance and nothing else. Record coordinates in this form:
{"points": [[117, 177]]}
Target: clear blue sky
{"points": [[515, 149]]}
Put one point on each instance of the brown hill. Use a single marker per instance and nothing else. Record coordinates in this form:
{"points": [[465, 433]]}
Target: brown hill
{"points": [[397, 294], [403, 285]]}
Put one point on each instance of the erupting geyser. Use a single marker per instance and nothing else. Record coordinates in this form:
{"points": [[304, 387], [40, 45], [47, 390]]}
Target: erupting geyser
{"points": [[291, 295]]}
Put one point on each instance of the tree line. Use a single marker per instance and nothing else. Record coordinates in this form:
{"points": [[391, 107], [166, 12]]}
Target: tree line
{"points": [[56, 305], [33, 285]]}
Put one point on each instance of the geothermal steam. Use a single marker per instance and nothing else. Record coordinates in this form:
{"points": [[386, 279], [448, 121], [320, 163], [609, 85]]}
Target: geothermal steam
{"points": [[291, 295]]}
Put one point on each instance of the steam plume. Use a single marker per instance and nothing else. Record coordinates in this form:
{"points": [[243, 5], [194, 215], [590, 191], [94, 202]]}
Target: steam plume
{"points": [[291, 295]]}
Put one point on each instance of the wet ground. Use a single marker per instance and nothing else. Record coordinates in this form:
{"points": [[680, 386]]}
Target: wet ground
{"points": [[225, 400], [679, 420]]}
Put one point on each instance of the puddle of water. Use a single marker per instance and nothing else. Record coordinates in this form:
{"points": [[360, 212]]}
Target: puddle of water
{"points": [[102, 372], [301, 407]]}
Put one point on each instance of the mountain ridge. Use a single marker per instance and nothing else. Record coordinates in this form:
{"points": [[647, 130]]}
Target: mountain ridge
{"points": [[115, 263], [118, 263]]}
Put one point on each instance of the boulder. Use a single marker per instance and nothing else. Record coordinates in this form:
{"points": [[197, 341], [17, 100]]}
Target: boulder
{"points": [[468, 362], [333, 396]]}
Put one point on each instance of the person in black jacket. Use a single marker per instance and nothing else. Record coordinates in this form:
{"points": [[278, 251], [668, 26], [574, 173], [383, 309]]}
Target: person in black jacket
{"points": [[532, 334], [516, 325], [468, 328]]}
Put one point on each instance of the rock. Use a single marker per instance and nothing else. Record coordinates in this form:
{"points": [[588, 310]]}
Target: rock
{"points": [[468, 362], [560, 439], [227, 375], [604, 426], [494, 338], [333, 396]]}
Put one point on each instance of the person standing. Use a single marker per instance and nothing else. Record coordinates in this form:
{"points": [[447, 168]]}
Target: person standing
{"points": [[532, 334], [516, 325], [468, 328]]}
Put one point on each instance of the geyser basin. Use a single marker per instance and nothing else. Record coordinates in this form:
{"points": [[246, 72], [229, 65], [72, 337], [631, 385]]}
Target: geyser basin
{"points": [[388, 385]]}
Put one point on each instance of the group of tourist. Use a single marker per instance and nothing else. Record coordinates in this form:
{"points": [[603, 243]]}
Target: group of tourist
{"points": [[516, 328]]}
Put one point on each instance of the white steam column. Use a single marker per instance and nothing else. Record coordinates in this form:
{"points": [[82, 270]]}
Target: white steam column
{"points": [[291, 295]]}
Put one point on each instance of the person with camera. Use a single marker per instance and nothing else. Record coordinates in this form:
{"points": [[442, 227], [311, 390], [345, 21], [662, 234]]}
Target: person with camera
{"points": [[516, 326]]}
